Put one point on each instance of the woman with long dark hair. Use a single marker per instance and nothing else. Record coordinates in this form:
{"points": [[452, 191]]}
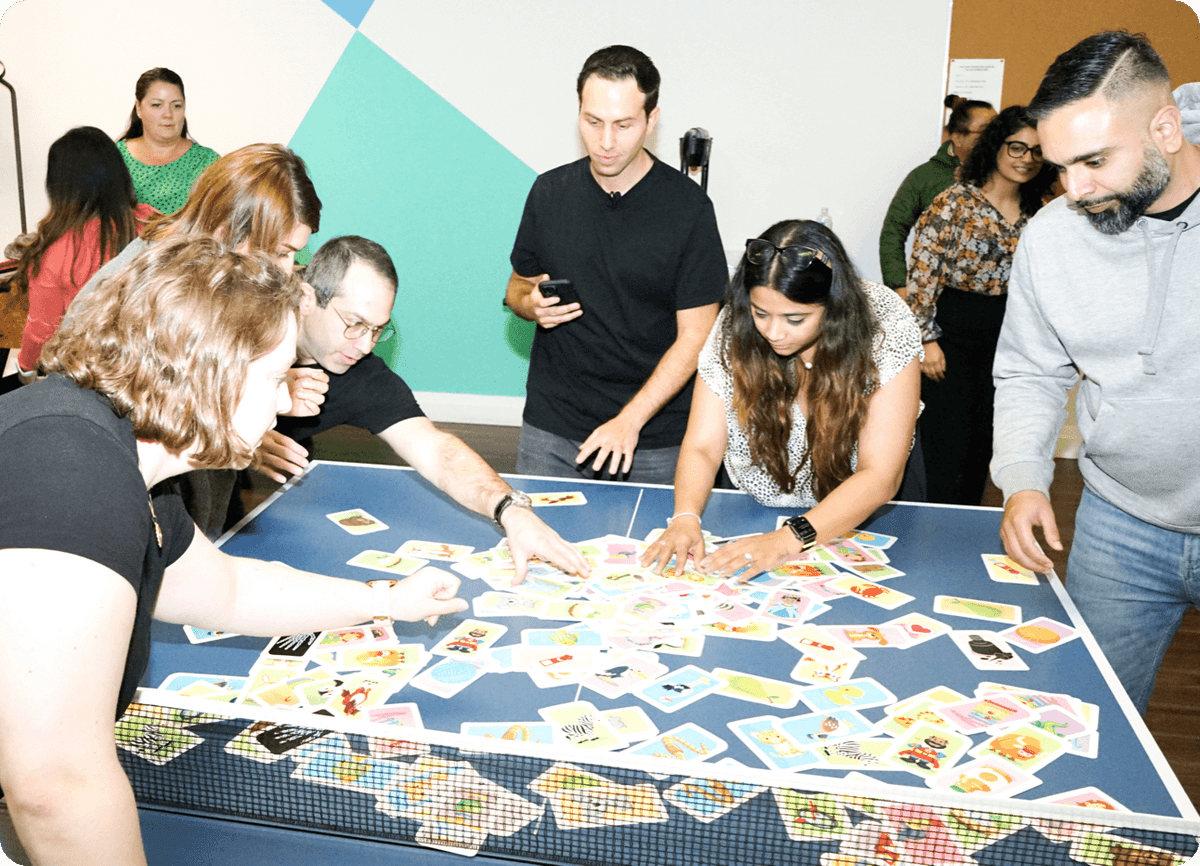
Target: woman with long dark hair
{"points": [[958, 283], [808, 390], [162, 158], [93, 216]]}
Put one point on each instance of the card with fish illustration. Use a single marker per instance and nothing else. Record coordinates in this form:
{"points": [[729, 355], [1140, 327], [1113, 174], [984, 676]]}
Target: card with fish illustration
{"points": [[1002, 569], [581, 725], [541, 500], [624, 673], [817, 671], [866, 538], [1026, 747], [814, 729], [918, 627], [523, 732], [856, 694], [772, 746], [1088, 798], [873, 593], [991, 777], [469, 638], [987, 651], [973, 608], [357, 522], [675, 690], [631, 724], [757, 689], [926, 750], [688, 742], [707, 799], [435, 550], [1039, 635]]}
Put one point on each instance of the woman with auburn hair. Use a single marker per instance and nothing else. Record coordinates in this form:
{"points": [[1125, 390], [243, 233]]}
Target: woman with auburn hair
{"points": [[258, 198], [808, 389], [958, 285], [178, 360], [161, 157], [93, 216]]}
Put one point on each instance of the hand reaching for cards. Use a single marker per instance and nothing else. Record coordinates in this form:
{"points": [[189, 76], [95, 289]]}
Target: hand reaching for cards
{"points": [[1024, 510], [756, 554], [681, 538], [307, 386], [529, 536], [278, 454], [426, 594]]}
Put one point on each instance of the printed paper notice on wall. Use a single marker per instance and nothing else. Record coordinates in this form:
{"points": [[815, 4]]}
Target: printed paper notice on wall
{"points": [[977, 79]]}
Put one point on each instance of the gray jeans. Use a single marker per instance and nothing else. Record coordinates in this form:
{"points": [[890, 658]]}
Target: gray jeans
{"points": [[542, 453]]}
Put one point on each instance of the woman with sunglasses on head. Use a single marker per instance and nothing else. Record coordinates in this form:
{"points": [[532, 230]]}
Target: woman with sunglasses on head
{"points": [[958, 281], [808, 390]]}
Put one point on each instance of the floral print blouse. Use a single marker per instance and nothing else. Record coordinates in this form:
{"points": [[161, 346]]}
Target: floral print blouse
{"points": [[962, 242]]}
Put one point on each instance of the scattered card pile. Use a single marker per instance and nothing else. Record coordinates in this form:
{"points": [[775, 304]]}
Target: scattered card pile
{"points": [[626, 629]]}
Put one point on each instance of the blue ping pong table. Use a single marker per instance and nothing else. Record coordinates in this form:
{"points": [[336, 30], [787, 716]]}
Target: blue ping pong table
{"points": [[938, 549]]}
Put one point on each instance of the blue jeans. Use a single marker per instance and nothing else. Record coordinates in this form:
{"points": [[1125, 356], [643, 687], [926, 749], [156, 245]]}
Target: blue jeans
{"points": [[1133, 582], [542, 453]]}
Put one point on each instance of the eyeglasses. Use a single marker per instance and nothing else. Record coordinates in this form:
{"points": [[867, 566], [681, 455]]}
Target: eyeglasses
{"points": [[1017, 149], [355, 330], [760, 252]]}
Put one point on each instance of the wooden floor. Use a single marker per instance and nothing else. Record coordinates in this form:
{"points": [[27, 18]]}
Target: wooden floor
{"points": [[1172, 717]]}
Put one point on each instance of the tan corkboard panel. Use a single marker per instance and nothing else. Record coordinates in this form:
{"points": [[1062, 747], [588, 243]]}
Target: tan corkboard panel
{"points": [[1029, 34]]}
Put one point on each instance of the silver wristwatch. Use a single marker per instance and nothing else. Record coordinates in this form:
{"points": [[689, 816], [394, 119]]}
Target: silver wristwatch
{"points": [[513, 497]]}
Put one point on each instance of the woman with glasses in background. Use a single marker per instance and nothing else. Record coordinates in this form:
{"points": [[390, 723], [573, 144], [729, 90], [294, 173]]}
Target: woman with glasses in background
{"points": [[808, 390], [958, 283]]}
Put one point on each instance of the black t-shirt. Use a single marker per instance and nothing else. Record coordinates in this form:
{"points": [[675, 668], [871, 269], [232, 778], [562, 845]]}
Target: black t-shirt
{"points": [[635, 260], [368, 395], [72, 484]]}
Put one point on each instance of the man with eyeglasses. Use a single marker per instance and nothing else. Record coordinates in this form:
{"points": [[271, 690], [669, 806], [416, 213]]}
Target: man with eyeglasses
{"points": [[349, 290], [1104, 291], [610, 375]]}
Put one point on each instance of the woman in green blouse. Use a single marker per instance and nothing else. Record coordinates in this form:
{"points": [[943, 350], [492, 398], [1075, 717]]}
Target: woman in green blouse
{"points": [[163, 160]]}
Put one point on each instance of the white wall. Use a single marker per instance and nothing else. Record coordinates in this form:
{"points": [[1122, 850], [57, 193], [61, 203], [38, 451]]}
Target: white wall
{"points": [[811, 103]]}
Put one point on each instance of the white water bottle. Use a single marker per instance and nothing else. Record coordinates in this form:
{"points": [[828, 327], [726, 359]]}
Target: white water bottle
{"points": [[825, 219]]}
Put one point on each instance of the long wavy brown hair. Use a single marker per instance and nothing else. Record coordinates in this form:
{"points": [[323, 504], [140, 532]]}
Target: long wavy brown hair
{"points": [[843, 374]]}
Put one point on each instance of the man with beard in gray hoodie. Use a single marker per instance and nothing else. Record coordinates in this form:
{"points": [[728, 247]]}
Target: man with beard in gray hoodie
{"points": [[1105, 290]]}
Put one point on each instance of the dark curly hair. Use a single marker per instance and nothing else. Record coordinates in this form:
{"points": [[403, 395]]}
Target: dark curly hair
{"points": [[981, 164], [843, 373]]}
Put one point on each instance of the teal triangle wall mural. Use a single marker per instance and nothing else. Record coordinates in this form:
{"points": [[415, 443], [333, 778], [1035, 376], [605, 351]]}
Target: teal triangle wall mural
{"points": [[395, 162]]}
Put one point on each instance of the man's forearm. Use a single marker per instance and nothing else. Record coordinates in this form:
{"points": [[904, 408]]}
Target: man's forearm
{"points": [[517, 296]]}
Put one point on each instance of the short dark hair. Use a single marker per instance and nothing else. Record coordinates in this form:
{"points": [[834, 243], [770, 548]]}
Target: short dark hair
{"points": [[620, 61], [328, 267], [960, 116], [151, 76], [981, 163], [1115, 63]]}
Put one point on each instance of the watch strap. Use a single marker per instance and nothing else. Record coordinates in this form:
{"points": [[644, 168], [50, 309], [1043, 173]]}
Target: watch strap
{"points": [[381, 599], [513, 497]]}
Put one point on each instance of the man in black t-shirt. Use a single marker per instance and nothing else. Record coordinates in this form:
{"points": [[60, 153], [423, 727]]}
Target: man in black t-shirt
{"points": [[610, 375], [349, 292]]}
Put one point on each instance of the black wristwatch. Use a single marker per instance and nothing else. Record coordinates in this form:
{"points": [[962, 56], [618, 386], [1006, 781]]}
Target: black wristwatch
{"points": [[513, 497], [803, 530]]}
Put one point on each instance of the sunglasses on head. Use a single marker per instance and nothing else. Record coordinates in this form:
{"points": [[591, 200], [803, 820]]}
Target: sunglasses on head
{"points": [[760, 252]]}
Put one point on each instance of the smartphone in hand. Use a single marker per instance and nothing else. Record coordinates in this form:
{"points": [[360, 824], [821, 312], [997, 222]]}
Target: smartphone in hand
{"points": [[564, 290]]}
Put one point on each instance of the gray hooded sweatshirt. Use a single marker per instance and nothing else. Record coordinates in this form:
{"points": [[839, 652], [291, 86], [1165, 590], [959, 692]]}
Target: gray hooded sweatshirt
{"points": [[1121, 313]]}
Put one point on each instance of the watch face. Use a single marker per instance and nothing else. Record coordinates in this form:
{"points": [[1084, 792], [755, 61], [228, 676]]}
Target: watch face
{"points": [[521, 498]]}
